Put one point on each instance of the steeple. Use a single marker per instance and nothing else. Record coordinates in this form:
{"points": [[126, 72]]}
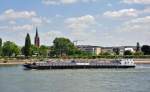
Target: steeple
{"points": [[37, 35], [37, 39]]}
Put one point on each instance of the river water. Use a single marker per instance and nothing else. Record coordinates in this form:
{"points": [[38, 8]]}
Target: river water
{"points": [[16, 79]]}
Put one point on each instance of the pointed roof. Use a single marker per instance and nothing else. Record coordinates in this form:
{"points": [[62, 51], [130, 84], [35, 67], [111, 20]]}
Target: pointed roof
{"points": [[37, 35]]}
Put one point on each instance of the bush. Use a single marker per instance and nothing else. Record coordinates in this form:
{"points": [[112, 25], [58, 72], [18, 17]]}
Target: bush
{"points": [[127, 52]]}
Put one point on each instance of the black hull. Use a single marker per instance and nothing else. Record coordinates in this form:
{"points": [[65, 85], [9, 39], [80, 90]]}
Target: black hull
{"points": [[30, 66]]}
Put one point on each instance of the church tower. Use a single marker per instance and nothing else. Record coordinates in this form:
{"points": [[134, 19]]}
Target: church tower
{"points": [[37, 39]]}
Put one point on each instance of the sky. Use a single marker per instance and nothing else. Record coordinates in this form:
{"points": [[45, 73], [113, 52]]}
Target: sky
{"points": [[91, 22]]}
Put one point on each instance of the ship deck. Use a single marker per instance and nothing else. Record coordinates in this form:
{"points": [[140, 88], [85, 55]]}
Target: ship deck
{"points": [[76, 66]]}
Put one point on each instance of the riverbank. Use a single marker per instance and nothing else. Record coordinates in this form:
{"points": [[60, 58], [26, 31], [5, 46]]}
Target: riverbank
{"points": [[142, 61], [20, 62], [14, 62]]}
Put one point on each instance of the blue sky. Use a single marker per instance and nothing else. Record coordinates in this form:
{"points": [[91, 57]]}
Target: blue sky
{"points": [[92, 22]]}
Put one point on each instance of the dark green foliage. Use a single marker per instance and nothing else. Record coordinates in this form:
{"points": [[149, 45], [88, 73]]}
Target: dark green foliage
{"points": [[146, 49], [43, 51], [105, 54], [27, 48], [138, 53], [10, 48], [63, 46], [22, 50], [0, 46], [0, 42], [127, 52], [34, 50], [116, 51]]}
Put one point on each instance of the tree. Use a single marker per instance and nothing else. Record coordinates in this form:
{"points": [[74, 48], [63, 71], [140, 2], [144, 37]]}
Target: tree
{"points": [[116, 50], [127, 52], [22, 50], [63, 46], [137, 47], [105, 53], [27, 48], [43, 50], [10, 48], [34, 50], [146, 49], [138, 53], [0, 46], [0, 42]]}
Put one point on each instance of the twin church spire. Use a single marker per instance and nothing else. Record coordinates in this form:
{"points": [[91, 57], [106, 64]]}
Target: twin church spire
{"points": [[37, 39]]}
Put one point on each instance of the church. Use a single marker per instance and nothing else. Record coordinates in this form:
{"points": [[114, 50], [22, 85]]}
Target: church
{"points": [[37, 39]]}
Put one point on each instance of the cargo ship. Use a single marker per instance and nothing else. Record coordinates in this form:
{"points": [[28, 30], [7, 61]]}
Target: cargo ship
{"points": [[122, 63]]}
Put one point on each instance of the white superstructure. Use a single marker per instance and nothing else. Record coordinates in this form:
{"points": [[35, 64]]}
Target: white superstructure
{"points": [[82, 63], [127, 62]]}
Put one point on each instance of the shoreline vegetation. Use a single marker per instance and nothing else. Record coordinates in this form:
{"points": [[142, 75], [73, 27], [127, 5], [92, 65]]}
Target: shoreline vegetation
{"points": [[63, 49], [23, 61]]}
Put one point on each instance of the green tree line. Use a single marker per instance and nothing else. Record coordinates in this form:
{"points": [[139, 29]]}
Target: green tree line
{"points": [[62, 47], [11, 49]]}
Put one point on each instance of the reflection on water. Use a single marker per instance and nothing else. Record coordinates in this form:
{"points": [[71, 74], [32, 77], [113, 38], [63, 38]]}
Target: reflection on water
{"points": [[16, 79]]}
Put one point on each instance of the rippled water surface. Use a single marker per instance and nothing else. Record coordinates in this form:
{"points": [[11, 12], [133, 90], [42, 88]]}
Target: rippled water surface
{"points": [[16, 79]]}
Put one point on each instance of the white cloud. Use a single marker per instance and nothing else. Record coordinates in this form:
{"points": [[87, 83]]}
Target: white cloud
{"points": [[12, 22], [125, 13], [11, 14], [58, 2], [135, 30], [136, 1], [21, 20], [139, 24], [30, 16], [54, 34], [48, 37], [36, 20], [136, 25], [122, 13], [146, 10], [25, 27], [83, 29], [80, 23], [68, 1], [143, 20]]}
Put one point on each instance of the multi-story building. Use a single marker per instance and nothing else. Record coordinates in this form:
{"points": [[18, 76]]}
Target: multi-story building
{"points": [[121, 49], [95, 50], [107, 49]]}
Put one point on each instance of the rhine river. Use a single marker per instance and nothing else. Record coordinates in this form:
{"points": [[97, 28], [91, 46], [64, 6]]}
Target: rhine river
{"points": [[16, 79]]}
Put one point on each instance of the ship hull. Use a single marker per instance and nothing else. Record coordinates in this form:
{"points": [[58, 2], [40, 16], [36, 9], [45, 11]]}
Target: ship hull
{"points": [[39, 67]]}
